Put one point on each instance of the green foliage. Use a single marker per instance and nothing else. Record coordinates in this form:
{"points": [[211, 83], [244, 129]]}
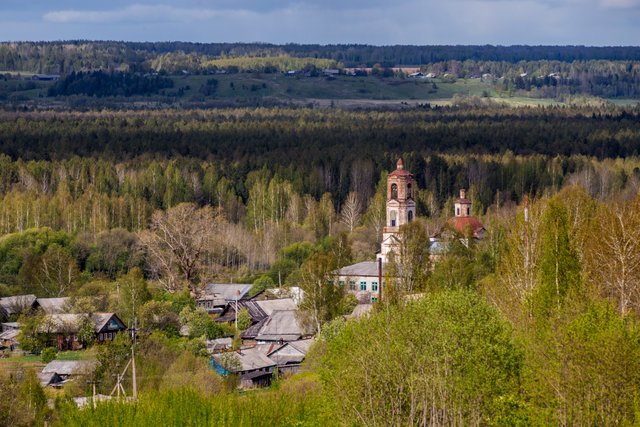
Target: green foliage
{"points": [[297, 405], [260, 284], [160, 316], [200, 323], [48, 354], [87, 333], [132, 295], [100, 83], [16, 248], [559, 273], [453, 342], [584, 371], [324, 298], [30, 338], [244, 319], [22, 400]]}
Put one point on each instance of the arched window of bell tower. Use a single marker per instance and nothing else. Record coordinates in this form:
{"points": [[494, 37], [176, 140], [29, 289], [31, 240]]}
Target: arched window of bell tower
{"points": [[410, 216], [409, 191], [394, 191], [393, 216]]}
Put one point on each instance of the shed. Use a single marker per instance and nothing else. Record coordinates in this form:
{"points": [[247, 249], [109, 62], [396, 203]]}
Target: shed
{"points": [[70, 368]]}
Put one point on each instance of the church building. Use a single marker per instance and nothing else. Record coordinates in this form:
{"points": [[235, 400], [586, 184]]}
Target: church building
{"points": [[364, 279]]}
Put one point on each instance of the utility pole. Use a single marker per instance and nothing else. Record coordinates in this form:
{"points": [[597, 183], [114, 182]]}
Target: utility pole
{"points": [[237, 293], [93, 383], [133, 359]]}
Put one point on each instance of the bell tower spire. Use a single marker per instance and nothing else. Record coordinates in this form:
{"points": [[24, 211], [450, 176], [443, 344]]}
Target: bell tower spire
{"points": [[401, 208]]}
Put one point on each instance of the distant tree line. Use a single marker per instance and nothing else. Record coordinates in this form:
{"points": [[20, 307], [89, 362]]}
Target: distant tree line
{"points": [[101, 84], [81, 55]]}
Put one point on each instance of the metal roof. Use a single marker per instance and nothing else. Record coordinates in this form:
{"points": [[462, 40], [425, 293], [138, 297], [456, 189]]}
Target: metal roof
{"points": [[16, 304], [365, 268], [53, 305], [70, 367], [227, 291], [269, 306], [282, 325]]}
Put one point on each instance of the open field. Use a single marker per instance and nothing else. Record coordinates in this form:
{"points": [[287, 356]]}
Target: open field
{"points": [[275, 88]]}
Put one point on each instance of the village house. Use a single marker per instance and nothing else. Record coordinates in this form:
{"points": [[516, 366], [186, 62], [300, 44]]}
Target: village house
{"points": [[59, 372], [12, 307], [9, 333], [289, 356], [63, 328], [252, 366], [217, 296], [271, 320]]}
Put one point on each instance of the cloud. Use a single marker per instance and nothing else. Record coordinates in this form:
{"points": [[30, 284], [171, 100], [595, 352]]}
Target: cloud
{"points": [[135, 13]]}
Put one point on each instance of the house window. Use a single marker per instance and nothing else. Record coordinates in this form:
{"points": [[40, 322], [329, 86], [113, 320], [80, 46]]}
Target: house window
{"points": [[374, 299], [394, 191], [100, 337], [341, 283], [352, 285], [410, 216], [363, 285], [374, 286]]}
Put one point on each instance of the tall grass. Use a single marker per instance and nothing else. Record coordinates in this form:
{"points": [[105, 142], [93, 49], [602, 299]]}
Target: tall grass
{"points": [[297, 404]]}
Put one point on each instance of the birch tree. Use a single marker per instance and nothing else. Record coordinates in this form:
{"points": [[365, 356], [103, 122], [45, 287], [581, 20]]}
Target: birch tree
{"points": [[177, 241], [351, 212]]}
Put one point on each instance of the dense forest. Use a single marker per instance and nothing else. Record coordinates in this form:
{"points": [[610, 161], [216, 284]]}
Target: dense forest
{"points": [[534, 324], [100, 84], [326, 141], [78, 55]]}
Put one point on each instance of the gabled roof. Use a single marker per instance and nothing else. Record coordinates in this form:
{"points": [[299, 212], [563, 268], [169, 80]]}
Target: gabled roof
{"points": [[252, 331], [250, 359], [53, 305], [255, 312], [292, 352], [222, 293], [10, 335], [62, 323], [16, 304], [100, 320], [269, 306], [282, 325], [70, 367], [68, 323], [49, 378]]}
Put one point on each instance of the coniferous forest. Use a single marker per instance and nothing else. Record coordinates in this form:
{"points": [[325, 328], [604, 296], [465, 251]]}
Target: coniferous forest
{"points": [[533, 324]]}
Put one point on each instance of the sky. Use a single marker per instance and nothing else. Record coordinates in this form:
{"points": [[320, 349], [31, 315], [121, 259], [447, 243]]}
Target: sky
{"points": [[379, 22]]}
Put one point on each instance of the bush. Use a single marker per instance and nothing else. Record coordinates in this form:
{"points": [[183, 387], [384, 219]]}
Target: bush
{"points": [[452, 342], [48, 354]]}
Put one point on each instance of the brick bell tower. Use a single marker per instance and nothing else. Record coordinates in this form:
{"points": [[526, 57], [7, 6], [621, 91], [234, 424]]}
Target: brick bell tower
{"points": [[401, 208]]}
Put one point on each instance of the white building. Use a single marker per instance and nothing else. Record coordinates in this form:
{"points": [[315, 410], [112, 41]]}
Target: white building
{"points": [[365, 279]]}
